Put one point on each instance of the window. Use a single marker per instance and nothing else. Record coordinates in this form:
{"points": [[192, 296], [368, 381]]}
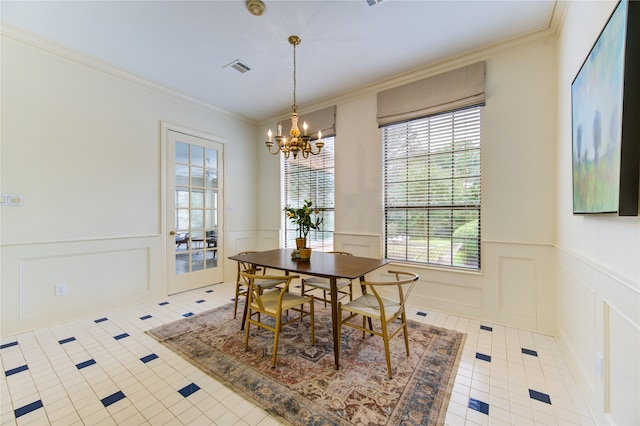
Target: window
{"points": [[311, 179], [432, 189]]}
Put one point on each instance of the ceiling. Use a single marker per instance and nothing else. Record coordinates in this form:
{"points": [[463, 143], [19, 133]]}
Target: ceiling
{"points": [[346, 44]]}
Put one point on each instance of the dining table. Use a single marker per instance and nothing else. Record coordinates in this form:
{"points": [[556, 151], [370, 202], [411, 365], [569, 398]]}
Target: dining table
{"points": [[321, 264]]}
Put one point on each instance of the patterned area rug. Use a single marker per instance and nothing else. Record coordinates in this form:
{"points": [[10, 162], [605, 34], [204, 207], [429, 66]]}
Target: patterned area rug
{"points": [[305, 388]]}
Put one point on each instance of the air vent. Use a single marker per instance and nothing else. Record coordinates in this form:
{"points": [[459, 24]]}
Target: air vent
{"points": [[372, 2], [239, 66]]}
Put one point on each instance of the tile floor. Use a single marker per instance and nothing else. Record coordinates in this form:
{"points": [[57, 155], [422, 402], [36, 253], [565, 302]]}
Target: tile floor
{"points": [[105, 370]]}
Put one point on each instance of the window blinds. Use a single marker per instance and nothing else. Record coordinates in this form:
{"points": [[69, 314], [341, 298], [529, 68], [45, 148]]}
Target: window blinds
{"points": [[432, 189]]}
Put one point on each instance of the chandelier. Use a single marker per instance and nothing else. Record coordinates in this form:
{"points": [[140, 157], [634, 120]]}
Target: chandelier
{"points": [[297, 143]]}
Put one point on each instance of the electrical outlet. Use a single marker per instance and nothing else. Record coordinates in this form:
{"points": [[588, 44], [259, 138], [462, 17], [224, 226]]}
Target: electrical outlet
{"points": [[599, 366], [61, 289]]}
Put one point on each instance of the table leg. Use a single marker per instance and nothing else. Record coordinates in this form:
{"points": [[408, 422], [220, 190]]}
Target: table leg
{"points": [[335, 321]]}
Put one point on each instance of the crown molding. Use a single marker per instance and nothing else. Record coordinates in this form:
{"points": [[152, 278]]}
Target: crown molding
{"points": [[90, 62]]}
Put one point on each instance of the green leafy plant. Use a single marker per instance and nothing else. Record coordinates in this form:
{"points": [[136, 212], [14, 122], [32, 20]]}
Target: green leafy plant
{"points": [[302, 218]]}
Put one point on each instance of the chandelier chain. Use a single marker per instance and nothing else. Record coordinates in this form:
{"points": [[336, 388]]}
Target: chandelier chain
{"points": [[294, 78]]}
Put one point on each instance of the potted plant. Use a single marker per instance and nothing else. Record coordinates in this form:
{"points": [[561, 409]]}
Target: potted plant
{"points": [[302, 218]]}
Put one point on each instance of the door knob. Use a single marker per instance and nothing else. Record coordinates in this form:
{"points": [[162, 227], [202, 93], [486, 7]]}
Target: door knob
{"points": [[172, 233]]}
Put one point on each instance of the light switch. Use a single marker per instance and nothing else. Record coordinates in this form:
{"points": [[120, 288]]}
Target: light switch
{"points": [[8, 200]]}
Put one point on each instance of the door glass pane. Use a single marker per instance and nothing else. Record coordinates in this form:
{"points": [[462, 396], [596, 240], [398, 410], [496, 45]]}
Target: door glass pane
{"points": [[197, 261], [197, 176], [197, 155], [197, 199], [212, 178], [211, 201], [182, 174], [212, 158], [182, 216], [182, 198], [210, 219], [197, 219], [182, 153]]}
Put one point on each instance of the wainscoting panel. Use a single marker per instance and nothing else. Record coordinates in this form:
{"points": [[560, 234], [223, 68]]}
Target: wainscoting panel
{"points": [[599, 331], [87, 276], [518, 286], [98, 275], [358, 244], [622, 367]]}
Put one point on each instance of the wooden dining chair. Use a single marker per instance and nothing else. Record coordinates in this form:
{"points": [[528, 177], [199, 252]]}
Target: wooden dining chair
{"points": [[311, 284], [272, 304], [242, 284], [373, 306]]}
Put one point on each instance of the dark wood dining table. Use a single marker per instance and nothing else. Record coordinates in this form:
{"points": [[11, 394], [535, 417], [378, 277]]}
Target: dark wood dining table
{"points": [[321, 264]]}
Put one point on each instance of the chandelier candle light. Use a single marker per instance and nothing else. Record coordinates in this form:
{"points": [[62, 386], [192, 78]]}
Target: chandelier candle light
{"points": [[298, 143]]}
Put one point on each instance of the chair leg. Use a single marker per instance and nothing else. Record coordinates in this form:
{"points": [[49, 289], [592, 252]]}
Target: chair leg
{"points": [[246, 331], [385, 337], [245, 311], [324, 295], [276, 337], [313, 323], [235, 303], [405, 331]]}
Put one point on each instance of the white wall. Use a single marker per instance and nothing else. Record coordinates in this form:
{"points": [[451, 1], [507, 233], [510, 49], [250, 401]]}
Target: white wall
{"points": [[598, 275], [516, 285], [81, 143]]}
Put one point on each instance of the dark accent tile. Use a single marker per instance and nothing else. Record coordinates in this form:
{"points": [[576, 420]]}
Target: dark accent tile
{"points": [[16, 370], [148, 358], [421, 314], [163, 303], [200, 301], [483, 357], [111, 399], [209, 291], [480, 406], [67, 340], [101, 320], [486, 327], [8, 345], [529, 352], [27, 408], [189, 389], [146, 317], [121, 336], [85, 364], [539, 396], [187, 315]]}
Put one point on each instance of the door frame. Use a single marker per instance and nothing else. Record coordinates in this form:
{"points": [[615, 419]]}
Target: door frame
{"points": [[165, 127]]}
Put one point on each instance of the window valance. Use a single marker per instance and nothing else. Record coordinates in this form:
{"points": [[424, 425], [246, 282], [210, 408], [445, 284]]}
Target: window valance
{"points": [[448, 91]]}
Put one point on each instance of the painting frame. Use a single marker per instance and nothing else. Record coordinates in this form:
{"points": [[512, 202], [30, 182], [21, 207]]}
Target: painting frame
{"points": [[605, 106]]}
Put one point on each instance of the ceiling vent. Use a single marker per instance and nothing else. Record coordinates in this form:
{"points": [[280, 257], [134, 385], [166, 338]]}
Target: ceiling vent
{"points": [[372, 2], [239, 66]]}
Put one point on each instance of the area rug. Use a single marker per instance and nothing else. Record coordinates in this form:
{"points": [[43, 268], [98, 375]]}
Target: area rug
{"points": [[305, 388]]}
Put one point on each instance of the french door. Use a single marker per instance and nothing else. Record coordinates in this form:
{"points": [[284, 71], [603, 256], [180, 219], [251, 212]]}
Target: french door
{"points": [[194, 181]]}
